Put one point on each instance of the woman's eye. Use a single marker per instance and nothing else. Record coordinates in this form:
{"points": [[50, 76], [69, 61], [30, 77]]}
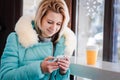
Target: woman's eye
{"points": [[59, 24], [49, 22]]}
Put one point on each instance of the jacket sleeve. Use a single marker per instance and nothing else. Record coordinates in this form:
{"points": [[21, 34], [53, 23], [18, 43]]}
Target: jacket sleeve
{"points": [[57, 76], [10, 69], [63, 77]]}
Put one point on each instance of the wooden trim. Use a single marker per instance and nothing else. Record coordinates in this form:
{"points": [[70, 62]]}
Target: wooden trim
{"points": [[73, 22], [69, 4], [72, 11], [108, 30]]}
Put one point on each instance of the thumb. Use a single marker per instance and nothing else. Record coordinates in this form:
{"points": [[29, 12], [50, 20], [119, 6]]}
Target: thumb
{"points": [[49, 58]]}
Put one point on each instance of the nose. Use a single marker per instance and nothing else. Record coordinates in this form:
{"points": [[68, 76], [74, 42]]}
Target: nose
{"points": [[53, 27]]}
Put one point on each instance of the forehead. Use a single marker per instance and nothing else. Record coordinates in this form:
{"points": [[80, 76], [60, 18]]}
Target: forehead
{"points": [[58, 17]]}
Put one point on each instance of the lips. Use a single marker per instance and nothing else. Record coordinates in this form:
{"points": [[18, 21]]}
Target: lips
{"points": [[50, 31]]}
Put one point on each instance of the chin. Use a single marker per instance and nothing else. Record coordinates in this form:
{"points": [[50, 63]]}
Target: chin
{"points": [[50, 35]]}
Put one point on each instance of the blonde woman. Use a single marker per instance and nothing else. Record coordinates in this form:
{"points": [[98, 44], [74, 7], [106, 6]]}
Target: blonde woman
{"points": [[30, 51]]}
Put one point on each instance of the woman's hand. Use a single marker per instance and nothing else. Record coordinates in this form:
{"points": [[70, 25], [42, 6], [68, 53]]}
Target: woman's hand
{"points": [[64, 65], [47, 66]]}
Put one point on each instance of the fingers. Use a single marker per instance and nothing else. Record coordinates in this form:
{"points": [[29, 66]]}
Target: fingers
{"points": [[48, 67], [49, 58], [64, 61], [64, 64], [51, 68], [63, 68], [53, 63]]}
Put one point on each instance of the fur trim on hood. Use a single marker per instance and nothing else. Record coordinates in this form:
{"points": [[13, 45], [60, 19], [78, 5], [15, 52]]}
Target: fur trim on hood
{"points": [[25, 31]]}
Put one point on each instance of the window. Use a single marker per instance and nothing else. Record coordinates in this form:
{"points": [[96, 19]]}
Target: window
{"points": [[90, 25], [116, 32], [29, 7], [89, 29], [96, 27]]}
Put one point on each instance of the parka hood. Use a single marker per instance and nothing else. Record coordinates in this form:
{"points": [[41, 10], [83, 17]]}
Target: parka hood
{"points": [[24, 30]]}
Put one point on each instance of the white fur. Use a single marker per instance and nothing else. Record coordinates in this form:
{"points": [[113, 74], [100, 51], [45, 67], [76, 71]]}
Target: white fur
{"points": [[28, 37], [70, 41]]}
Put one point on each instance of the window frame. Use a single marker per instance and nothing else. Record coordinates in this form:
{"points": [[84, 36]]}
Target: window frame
{"points": [[108, 27]]}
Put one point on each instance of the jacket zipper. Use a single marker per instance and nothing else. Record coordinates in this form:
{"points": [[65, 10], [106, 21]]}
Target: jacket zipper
{"points": [[53, 56]]}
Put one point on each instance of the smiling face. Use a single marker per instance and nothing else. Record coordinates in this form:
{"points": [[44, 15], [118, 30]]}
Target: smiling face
{"points": [[51, 23]]}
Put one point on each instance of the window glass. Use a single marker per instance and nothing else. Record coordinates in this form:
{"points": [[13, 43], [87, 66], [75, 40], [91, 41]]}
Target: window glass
{"points": [[90, 25], [30, 6], [90, 21], [116, 36]]}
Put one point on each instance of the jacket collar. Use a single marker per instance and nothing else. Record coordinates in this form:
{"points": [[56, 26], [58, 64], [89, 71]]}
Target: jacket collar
{"points": [[27, 36]]}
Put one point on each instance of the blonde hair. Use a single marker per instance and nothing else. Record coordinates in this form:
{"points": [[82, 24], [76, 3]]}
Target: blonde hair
{"points": [[58, 6]]}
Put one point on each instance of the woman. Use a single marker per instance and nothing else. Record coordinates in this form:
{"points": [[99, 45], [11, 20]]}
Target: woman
{"points": [[29, 50]]}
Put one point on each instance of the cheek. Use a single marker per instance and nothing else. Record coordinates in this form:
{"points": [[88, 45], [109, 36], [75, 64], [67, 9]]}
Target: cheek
{"points": [[44, 27], [58, 28]]}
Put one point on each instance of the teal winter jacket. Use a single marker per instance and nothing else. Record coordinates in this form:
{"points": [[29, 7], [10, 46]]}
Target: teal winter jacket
{"points": [[23, 53]]}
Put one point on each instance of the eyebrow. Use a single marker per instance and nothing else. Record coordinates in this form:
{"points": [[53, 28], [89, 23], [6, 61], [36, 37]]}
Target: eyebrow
{"points": [[53, 21]]}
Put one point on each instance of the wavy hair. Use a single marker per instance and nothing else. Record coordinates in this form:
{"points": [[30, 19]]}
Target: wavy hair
{"points": [[58, 6]]}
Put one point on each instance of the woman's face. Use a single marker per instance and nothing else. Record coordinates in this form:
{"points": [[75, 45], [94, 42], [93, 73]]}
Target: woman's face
{"points": [[51, 23]]}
